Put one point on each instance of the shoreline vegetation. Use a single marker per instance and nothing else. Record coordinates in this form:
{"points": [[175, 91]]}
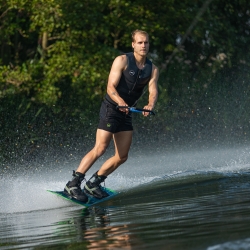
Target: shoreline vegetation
{"points": [[55, 57]]}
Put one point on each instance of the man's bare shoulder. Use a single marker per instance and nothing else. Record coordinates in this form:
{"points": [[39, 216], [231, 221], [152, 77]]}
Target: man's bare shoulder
{"points": [[120, 61]]}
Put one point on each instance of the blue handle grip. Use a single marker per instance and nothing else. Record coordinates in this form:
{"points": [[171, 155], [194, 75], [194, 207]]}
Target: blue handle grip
{"points": [[136, 110]]}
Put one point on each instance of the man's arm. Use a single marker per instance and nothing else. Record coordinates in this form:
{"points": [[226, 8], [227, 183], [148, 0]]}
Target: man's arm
{"points": [[153, 90], [119, 64]]}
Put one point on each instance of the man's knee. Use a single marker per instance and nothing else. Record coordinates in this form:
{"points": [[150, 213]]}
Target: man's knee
{"points": [[100, 150], [122, 159]]}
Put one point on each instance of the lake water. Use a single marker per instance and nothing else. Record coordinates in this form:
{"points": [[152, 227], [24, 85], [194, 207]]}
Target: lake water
{"points": [[195, 199]]}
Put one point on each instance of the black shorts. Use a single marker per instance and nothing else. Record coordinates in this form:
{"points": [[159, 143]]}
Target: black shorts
{"points": [[113, 120]]}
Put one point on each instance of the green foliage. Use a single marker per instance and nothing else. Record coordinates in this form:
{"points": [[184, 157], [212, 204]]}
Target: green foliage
{"points": [[56, 55]]}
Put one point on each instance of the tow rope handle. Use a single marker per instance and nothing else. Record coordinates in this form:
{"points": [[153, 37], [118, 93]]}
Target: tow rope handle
{"points": [[136, 110]]}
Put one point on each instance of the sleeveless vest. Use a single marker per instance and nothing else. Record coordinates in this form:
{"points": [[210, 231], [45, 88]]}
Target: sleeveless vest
{"points": [[133, 81]]}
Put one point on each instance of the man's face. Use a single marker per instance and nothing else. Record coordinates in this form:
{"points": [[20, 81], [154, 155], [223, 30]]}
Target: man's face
{"points": [[141, 44]]}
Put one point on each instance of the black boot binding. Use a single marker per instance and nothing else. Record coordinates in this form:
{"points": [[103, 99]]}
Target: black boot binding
{"points": [[73, 188], [94, 188]]}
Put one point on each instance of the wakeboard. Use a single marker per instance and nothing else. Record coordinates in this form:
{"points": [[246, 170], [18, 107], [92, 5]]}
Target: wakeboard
{"points": [[91, 201]]}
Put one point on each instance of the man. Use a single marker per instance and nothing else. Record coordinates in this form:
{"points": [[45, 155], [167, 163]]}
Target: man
{"points": [[129, 74]]}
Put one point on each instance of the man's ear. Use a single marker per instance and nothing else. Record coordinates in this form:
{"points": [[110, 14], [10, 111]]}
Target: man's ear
{"points": [[132, 45]]}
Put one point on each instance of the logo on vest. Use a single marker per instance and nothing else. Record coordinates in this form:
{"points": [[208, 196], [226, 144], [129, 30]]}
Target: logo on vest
{"points": [[131, 72]]}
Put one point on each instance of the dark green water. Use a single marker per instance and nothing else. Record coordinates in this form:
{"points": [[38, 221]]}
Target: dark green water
{"points": [[201, 208]]}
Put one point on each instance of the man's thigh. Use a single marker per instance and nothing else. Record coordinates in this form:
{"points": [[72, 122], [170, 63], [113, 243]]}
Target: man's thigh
{"points": [[123, 142]]}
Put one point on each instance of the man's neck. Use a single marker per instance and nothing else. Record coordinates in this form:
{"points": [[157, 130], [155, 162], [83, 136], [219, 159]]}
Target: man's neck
{"points": [[140, 60]]}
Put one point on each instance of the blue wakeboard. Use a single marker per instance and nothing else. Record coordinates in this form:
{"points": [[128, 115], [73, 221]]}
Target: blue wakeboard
{"points": [[91, 201]]}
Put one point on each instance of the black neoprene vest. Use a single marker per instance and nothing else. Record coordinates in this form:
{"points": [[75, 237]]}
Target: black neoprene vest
{"points": [[133, 80]]}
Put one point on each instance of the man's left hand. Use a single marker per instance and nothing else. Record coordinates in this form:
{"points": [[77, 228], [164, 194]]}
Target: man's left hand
{"points": [[148, 107]]}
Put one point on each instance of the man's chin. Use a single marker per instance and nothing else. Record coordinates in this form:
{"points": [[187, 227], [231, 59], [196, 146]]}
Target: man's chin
{"points": [[143, 53]]}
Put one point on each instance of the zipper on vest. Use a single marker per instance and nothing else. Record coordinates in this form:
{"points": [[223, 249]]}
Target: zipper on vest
{"points": [[137, 77]]}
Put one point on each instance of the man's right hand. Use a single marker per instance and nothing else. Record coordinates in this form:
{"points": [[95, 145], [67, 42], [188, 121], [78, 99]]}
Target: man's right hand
{"points": [[125, 110]]}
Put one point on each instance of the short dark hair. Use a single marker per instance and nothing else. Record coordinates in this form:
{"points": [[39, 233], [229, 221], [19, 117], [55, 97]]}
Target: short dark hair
{"points": [[138, 31]]}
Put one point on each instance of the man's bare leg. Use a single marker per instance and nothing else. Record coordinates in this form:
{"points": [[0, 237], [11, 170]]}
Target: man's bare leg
{"points": [[122, 141], [73, 187], [103, 139]]}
